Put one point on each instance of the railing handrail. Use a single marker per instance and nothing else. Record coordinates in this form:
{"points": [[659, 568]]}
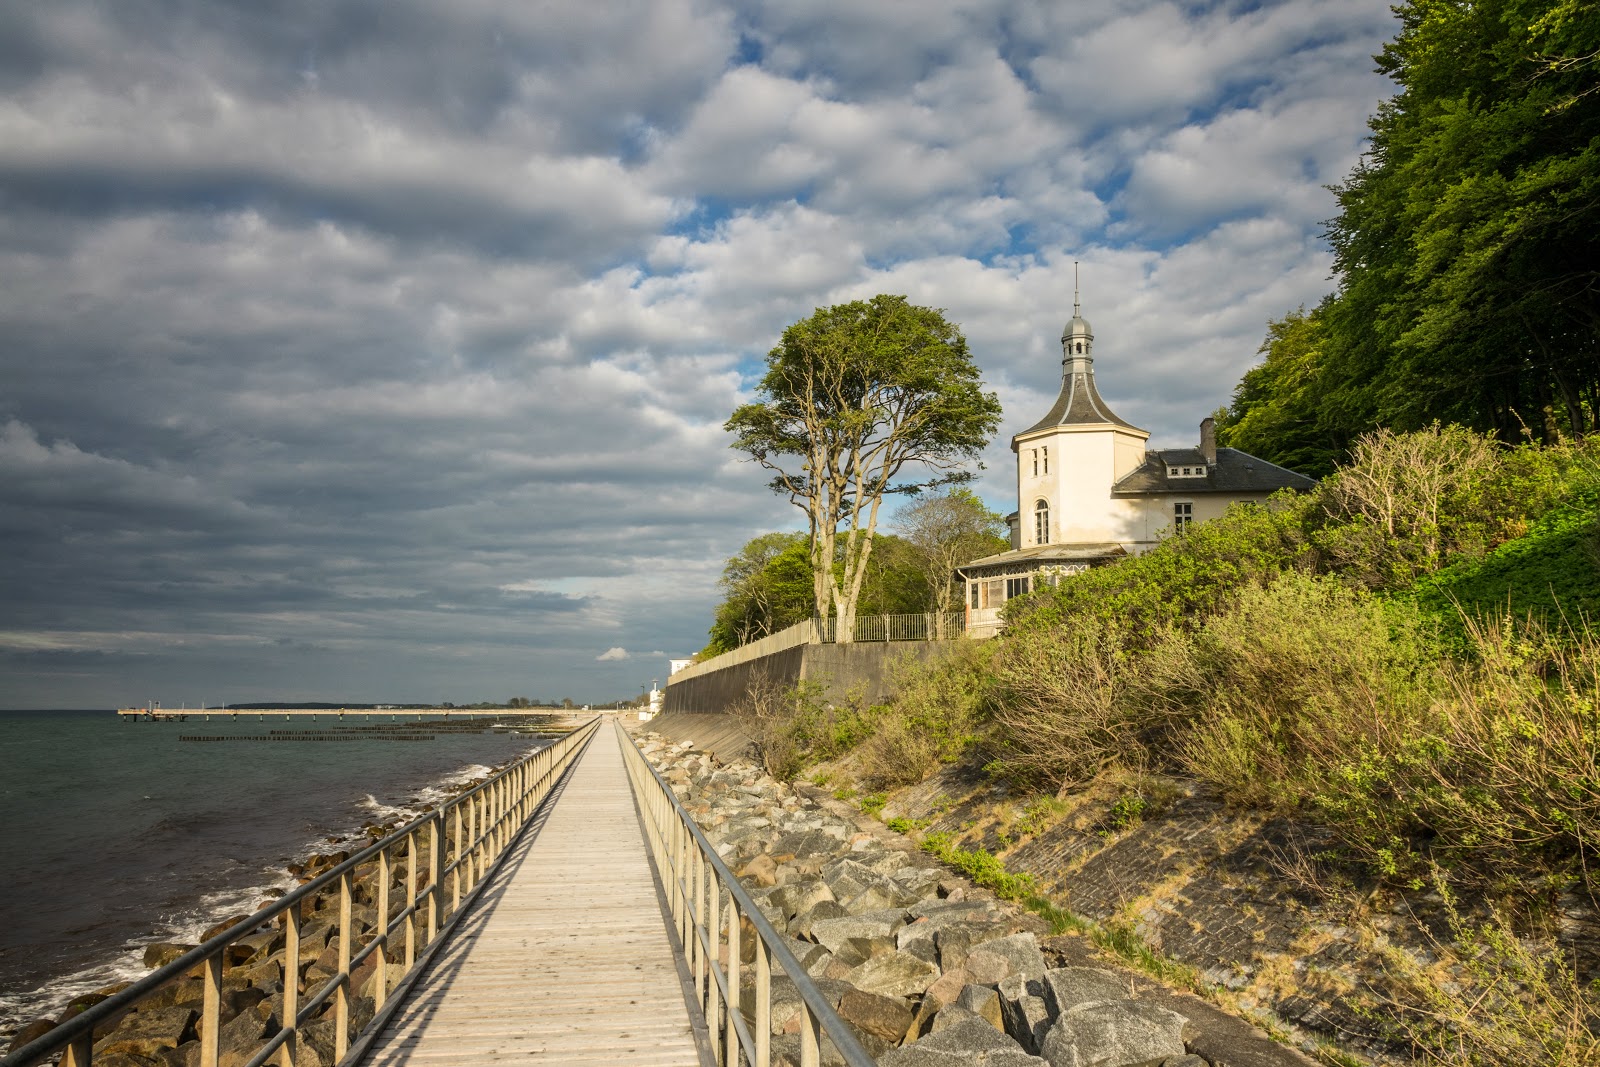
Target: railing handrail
{"points": [[82, 1025], [820, 1011]]}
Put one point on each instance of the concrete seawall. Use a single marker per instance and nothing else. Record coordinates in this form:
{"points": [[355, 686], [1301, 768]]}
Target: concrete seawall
{"points": [[864, 668]]}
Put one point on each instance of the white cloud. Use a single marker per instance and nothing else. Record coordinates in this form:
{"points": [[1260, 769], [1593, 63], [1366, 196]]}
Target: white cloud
{"points": [[616, 652]]}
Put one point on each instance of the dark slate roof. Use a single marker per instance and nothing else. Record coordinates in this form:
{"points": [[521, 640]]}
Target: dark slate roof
{"points": [[1045, 554], [1234, 472], [1079, 404]]}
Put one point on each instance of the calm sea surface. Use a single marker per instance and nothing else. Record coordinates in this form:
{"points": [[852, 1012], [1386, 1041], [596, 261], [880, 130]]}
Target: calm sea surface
{"points": [[114, 834]]}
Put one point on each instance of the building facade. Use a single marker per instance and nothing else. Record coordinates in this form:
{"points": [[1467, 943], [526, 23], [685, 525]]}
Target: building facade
{"points": [[1090, 491]]}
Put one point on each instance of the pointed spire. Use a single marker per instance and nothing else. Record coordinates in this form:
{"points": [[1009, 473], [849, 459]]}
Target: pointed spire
{"points": [[1075, 312]]}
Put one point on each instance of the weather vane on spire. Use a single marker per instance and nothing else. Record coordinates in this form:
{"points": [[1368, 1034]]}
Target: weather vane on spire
{"points": [[1074, 288]]}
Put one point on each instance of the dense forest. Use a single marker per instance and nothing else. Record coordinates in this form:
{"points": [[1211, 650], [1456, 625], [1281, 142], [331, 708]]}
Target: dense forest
{"points": [[1466, 244]]}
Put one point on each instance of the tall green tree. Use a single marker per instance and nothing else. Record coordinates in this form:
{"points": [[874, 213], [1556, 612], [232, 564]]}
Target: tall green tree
{"points": [[1277, 411], [1468, 239], [765, 588], [861, 401]]}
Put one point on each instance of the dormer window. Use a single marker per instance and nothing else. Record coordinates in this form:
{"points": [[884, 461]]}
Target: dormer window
{"points": [[1186, 472]]}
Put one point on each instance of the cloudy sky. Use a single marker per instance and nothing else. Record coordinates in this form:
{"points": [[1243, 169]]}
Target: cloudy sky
{"points": [[379, 349]]}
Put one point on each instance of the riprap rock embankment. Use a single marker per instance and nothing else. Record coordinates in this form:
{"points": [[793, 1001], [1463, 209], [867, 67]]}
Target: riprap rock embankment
{"points": [[928, 969]]}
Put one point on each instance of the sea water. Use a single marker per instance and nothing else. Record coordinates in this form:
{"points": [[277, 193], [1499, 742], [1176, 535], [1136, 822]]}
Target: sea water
{"points": [[114, 833]]}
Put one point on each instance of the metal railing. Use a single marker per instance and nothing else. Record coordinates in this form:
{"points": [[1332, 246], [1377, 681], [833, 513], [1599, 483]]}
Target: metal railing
{"points": [[709, 908], [928, 626], [466, 839]]}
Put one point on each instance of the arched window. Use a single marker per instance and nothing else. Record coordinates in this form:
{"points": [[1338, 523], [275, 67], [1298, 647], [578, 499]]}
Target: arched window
{"points": [[1041, 522]]}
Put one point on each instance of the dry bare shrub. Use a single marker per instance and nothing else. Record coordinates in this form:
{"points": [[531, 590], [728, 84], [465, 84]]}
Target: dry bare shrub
{"points": [[1391, 504], [1065, 712], [794, 726], [1508, 1001]]}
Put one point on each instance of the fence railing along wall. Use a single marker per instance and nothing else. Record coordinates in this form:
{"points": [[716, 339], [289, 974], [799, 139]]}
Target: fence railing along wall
{"points": [[709, 908], [440, 860], [929, 626]]}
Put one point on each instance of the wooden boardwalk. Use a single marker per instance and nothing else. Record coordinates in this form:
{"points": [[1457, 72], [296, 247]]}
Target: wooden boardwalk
{"points": [[566, 958]]}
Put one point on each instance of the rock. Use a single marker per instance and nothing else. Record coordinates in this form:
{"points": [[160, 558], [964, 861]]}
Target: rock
{"points": [[238, 1041], [952, 1015], [831, 933], [222, 927], [805, 952], [894, 974], [1190, 1060], [32, 1032], [1024, 1011], [128, 1059], [803, 843], [803, 923], [993, 961], [1114, 1033], [945, 989], [763, 870], [957, 940], [161, 953], [983, 1002], [146, 1033], [887, 1017], [1064, 988], [969, 1042], [785, 1001]]}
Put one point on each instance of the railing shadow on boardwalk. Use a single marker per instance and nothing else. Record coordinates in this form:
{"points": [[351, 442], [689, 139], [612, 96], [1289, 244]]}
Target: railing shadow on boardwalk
{"points": [[427, 996]]}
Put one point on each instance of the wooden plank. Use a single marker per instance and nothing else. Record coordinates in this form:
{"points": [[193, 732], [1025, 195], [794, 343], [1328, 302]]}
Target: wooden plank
{"points": [[566, 958]]}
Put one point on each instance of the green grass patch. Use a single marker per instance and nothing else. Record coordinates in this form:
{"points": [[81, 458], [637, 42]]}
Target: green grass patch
{"points": [[987, 870]]}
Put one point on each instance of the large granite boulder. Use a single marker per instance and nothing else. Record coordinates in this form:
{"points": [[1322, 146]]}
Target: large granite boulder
{"points": [[969, 1042], [894, 974], [1114, 1033]]}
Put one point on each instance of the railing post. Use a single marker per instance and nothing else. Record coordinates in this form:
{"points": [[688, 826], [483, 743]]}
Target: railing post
{"points": [[411, 899], [436, 855], [697, 919], [291, 987], [735, 961], [381, 991], [763, 1034], [714, 962], [341, 995], [455, 882], [211, 1010], [79, 1053], [810, 1046]]}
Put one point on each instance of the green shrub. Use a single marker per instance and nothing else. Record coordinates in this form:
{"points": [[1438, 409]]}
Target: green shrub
{"points": [[1294, 677], [1178, 583], [1500, 784], [933, 717]]}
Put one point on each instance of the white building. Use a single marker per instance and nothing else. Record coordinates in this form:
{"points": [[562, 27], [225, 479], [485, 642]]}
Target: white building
{"points": [[1089, 491]]}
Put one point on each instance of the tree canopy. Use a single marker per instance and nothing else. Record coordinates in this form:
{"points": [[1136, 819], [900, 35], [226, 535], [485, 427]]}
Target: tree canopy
{"points": [[767, 587], [1467, 245], [860, 401]]}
